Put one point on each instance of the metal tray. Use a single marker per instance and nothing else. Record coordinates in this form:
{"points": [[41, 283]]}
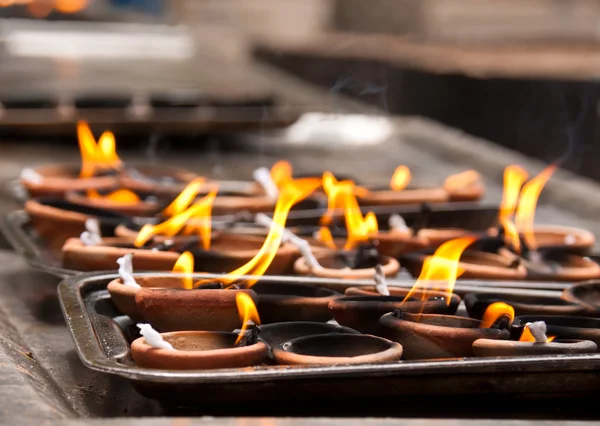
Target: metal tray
{"points": [[100, 331], [21, 235]]}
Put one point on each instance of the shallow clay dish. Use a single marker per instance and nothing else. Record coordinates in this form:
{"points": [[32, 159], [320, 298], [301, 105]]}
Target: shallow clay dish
{"points": [[198, 350], [569, 268], [58, 179], [563, 327], [161, 181], [102, 257], [332, 269], [172, 309], [477, 303], [575, 240], [278, 302], [396, 243], [476, 265], [436, 336], [141, 208], [389, 197], [492, 348], [278, 333], [586, 294], [329, 349], [56, 220]]}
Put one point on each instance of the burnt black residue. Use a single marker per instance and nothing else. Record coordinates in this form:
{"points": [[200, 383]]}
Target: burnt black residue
{"points": [[364, 257]]}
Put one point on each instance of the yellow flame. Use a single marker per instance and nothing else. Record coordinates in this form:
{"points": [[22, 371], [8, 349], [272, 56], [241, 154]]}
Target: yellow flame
{"points": [[281, 172], [525, 214], [526, 336], [291, 193], [96, 156], [185, 198], [494, 312], [247, 312], [42, 8], [359, 228], [400, 178], [324, 235], [185, 264], [201, 209], [441, 270], [120, 196], [335, 191], [514, 177], [462, 180]]}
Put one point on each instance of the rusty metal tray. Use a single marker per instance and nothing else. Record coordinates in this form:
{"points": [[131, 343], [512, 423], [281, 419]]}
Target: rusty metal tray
{"points": [[23, 238], [102, 336]]}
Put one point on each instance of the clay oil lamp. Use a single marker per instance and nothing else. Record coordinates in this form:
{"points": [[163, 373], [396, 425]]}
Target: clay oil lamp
{"points": [[123, 201], [336, 348], [546, 251], [276, 334], [466, 186], [523, 304], [564, 327], [362, 310], [56, 220], [166, 300], [99, 162], [202, 350], [279, 302], [532, 339], [586, 294]]}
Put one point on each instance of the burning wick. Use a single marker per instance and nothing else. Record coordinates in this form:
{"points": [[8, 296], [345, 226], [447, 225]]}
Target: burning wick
{"points": [[287, 235], [126, 270], [91, 236], [263, 176], [380, 281], [249, 318], [397, 223], [537, 329], [31, 176], [153, 337]]}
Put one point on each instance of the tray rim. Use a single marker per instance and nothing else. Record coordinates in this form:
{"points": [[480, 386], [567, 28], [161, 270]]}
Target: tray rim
{"points": [[92, 355]]}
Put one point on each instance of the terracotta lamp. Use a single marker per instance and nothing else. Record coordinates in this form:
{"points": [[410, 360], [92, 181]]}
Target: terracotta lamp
{"points": [[494, 348], [356, 264], [477, 303], [56, 220], [57, 180], [565, 327], [586, 294], [476, 265], [560, 266], [199, 350], [281, 302], [227, 252], [123, 201], [336, 348], [363, 312], [436, 336], [276, 334], [160, 181], [466, 186], [559, 238]]}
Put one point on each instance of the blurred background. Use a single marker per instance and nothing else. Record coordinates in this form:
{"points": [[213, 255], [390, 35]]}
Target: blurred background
{"points": [[520, 74]]}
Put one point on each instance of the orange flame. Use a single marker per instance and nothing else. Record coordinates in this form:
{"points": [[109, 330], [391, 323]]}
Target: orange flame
{"points": [[291, 193], [42, 8], [247, 312], [514, 177], [441, 270], [120, 196], [185, 264], [335, 191], [525, 215], [461, 180], [96, 156], [494, 312], [401, 178], [324, 235], [201, 209], [185, 198], [281, 172], [526, 336]]}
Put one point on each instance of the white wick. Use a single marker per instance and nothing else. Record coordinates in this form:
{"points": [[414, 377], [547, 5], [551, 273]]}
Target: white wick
{"points": [[263, 176], [91, 236], [397, 223], [535, 256], [31, 176], [303, 245], [380, 281], [570, 239], [153, 337], [126, 270], [538, 331]]}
